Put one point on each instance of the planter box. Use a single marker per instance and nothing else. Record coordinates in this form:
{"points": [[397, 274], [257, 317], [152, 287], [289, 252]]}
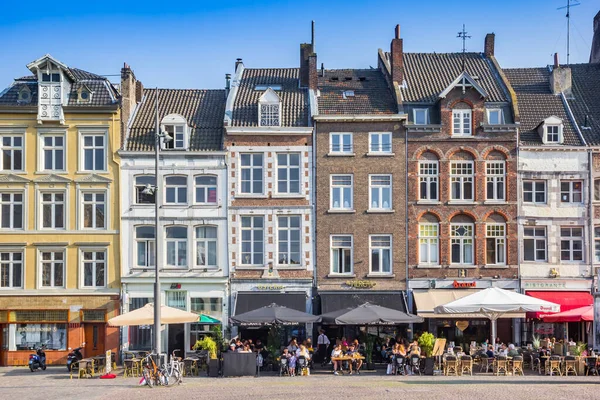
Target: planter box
{"points": [[370, 366], [429, 366], [213, 367]]}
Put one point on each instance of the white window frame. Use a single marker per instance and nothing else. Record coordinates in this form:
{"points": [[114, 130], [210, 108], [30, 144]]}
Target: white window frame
{"points": [[9, 264], [288, 168], [179, 134], [53, 205], [11, 204], [253, 239], [206, 241], [558, 133], [180, 198], [463, 241], [341, 147], [94, 262], [417, 111], [176, 242], [53, 260], [540, 242], [380, 249], [137, 188], [341, 188], [288, 241], [380, 146], [596, 244], [82, 157], [181, 298], [500, 116], [429, 236], [343, 248], [495, 174], [94, 203], [269, 114], [207, 188], [535, 191], [464, 127], [571, 239], [496, 233], [571, 195], [379, 189], [53, 149], [12, 148], [251, 168], [149, 247], [462, 178], [429, 179]]}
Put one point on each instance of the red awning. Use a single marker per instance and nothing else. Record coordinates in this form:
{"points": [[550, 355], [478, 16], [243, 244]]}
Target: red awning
{"points": [[585, 313], [567, 300]]}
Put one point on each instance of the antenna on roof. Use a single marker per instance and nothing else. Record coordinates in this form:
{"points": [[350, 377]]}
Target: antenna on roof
{"points": [[568, 7], [463, 35], [312, 35]]}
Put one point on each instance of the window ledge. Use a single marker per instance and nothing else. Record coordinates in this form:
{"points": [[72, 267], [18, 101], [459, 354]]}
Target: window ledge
{"points": [[203, 206], [334, 275], [381, 276], [380, 211], [461, 202], [380, 154], [496, 266], [87, 172], [334, 211], [250, 268], [290, 267], [9, 172], [459, 266], [288, 196], [48, 172], [250, 196], [176, 205], [494, 202], [433, 266], [429, 202], [532, 204], [341, 154]]}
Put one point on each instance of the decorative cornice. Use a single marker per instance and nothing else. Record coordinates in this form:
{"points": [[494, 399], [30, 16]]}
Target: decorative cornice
{"points": [[12, 178], [93, 178], [52, 178]]}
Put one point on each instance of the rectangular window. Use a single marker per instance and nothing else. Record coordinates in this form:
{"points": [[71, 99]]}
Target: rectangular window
{"points": [[341, 192], [461, 122], [597, 244], [428, 180], [176, 299], [53, 152], [251, 173], [269, 115], [534, 192], [140, 337], [212, 306], [53, 269], [12, 153], [428, 244], [534, 244], [29, 336], [253, 241], [495, 244], [461, 180], [552, 134], [206, 189], [94, 269], [380, 142], [11, 269], [495, 116], [145, 189], [597, 190], [571, 191], [11, 206], [176, 190], [176, 246], [495, 180], [380, 192], [94, 152], [206, 246], [571, 243], [421, 116], [94, 208], [381, 254], [53, 77], [341, 254], [177, 132], [288, 173], [289, 240], [462, 244], [145, 238], [340, 143], [53, 210]]}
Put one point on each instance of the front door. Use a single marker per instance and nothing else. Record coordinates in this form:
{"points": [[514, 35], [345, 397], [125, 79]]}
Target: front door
{"points": [[3, 342], [94, 339], [177, 339]]}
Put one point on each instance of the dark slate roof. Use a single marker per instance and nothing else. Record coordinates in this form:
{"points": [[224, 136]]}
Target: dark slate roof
{"points": [[294, 100], [585, 102], [371, 92], [536, 103], [428, 74], [203, 110], [103, 92]]}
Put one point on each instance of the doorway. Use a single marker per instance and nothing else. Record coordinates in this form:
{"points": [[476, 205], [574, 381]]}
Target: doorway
{"points": [[177, 340], [94, 339], [3, 342]]}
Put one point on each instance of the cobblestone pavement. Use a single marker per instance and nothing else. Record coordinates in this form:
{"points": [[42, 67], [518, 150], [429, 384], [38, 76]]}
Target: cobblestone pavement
{"points": [[54, 383]]}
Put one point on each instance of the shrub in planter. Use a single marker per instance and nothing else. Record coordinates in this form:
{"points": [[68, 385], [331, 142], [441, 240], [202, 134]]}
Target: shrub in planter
{"points": [[426, 343]]}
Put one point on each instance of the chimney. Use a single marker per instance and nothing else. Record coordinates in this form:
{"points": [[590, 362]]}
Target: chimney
{"points": [[227, 84], [488, 47], [238, 61], [312, 72], [595, 51], [131, 93], [560, 79], [396, 58], [308, 62]]}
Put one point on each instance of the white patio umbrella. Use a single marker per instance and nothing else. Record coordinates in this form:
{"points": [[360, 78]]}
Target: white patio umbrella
{"points": [[494, 302], [145, 316]]}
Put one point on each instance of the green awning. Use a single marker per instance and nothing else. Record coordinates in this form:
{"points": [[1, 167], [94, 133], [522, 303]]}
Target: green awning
{"points": [[207, 319]]}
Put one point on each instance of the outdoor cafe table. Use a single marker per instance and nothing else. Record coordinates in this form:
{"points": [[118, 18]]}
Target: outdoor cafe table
{"points": [[347, 358]]}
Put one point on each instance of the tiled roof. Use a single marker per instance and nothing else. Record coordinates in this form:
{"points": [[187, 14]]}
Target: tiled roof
{"points": [[203, 110], [294, 100], [585, 103], [428, 74], [103, 92], [536, 103], [371, 92]]}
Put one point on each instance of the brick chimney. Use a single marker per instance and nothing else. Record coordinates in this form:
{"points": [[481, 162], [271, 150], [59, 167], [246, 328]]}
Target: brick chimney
{"points": [[488, 48], [397, 62], [595, 51], [560, 78], [131, 94]]}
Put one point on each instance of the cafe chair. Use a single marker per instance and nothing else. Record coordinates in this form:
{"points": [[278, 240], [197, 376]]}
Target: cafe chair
{"points": [[415, 364], [451, 366], [399, 364], [466, 365], [501, 365], [284, 368], [570, 365], [130, 367], [302, 365], [554, 365], [590, 364], [517, 365]]}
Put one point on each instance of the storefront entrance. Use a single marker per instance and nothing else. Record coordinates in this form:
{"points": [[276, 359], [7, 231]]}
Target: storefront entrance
{"points": [[177, 339], [94, 339]]}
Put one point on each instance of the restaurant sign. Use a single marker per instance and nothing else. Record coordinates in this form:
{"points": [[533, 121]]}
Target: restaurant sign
{"points": [[545, 285], [464, 285], [358, 284], [269, 287]]}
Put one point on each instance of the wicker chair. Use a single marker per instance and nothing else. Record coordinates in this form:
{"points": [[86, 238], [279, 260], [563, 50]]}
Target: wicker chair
{"points": [[451, 366], [517, 365], [570, 365], [130, 367], [554, 365], [590, 366], [501, 365], [466, 365]]}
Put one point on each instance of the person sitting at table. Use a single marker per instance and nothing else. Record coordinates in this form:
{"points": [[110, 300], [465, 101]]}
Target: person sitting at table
{"points": [[232, 348], [490, 351], [356, 361], [344, 343], [303, 352], [414, 348], [503, 351], [336, 353], [544, 352], [293, 346], [512, 351]]}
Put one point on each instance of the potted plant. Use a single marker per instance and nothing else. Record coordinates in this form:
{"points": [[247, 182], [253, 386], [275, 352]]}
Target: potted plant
{"points": [[536, 342], [369, 344], [273, 346], [426, 342], [210, 346]]}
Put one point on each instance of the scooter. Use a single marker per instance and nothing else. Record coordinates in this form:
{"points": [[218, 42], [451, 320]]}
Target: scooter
{"points": [[38, 360], [74, 356]]}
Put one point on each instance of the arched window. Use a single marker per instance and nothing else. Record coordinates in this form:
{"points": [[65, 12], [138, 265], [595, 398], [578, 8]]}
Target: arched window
{"points": [[145, 192], [462, 177], [429, 228], [206, 246], [495, 171], [461, 120], [206, 189], [176, 190], [495, 240], [428, 177], [462, 240], [176, 246], [145, 237]]}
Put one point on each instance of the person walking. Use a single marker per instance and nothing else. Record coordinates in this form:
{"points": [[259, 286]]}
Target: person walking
{"points": [[322, 346]]}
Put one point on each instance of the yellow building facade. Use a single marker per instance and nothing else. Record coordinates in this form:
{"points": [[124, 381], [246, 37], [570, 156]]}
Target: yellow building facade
{"points": [[60, 130]]}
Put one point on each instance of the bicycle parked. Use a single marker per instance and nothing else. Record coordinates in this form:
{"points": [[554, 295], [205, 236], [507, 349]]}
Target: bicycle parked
{"points": [[166, 375], [174, 370]]}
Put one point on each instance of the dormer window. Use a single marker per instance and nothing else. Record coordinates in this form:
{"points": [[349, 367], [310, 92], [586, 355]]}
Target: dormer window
{"points": [[461, 120], [50, 77], [420, 116], [24, 95], [264, 87], [176, 127], [551, 130], [269, 109], [347, 93], [552, 134], [495, 116], [84, 95]]}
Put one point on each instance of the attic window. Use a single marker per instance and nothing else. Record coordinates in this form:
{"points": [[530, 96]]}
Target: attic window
{"points": [[176, 127], [24, 95], [495, 116], [84, 96], [347, 93], [552, 134], [269, 109], [52, 77], [266, 86]]}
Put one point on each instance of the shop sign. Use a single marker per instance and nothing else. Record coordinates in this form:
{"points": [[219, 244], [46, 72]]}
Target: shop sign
{"points": [[463, 285], [108, 366], [269, 287], [545, 285], [357, 284]]}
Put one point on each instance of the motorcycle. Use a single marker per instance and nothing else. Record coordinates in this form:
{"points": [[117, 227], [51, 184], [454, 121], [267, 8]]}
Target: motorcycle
{"points": [[38, 360], [74, 356]]}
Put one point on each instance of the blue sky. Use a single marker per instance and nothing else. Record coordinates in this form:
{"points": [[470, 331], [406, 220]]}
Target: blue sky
{"points": [[192, 44]]}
